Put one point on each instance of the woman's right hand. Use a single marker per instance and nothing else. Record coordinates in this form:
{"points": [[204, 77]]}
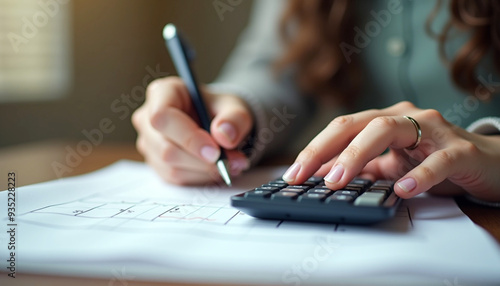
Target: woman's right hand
{"points": [[172, 141]]}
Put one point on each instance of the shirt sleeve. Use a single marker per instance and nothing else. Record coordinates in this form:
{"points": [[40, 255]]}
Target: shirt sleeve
{"points": [[279, 108], [486, 125]]}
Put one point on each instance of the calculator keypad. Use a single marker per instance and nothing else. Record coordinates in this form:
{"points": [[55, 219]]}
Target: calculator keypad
{"points": [[359, 192], [360, 202]]}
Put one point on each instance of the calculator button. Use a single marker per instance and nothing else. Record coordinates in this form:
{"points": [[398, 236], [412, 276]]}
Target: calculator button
{"points": [[383, 183], [358, 190], [292, 190], [335, 199], [347, 193], [258, 194], [369, 199], [299, 187], [390, 201], [279, 181], [308, 184], [311, 198], [316, 180], [323, 191], [377, 190], [360, 182], [387, 188], [284, 195], [272, 184], [267, 188]]}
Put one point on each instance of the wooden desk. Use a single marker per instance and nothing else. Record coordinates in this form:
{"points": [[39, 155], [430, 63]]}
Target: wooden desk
{"points": [[33, 163], [37, 162]]}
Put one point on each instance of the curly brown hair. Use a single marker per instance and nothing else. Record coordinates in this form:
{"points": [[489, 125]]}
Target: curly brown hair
{"points": [[313, 31]]}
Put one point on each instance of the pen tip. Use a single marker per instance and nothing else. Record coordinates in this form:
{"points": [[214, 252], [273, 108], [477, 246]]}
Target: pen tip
{"points": [[223, 171]]}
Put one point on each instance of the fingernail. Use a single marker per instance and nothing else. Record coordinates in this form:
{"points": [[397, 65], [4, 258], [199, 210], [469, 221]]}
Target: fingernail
{"points": [[239, 165], [292, 172], [210, 153], [407, 184], [228, 130], [335, 174]]}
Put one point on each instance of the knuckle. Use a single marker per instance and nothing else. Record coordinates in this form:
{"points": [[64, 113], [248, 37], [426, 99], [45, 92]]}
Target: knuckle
{"points": [[168, 152], [155, 84], [469, 148], [237, 116], [427, 174], [341, 121], [243, 115], [384, 122], [352, 152], [405, 105], [309, 153], [310, 156], [446, 158], [161, 117], [440, 135], [140, 144], [136, 118], [172, 81], [162, 83], [194, 139], [433, 115]]}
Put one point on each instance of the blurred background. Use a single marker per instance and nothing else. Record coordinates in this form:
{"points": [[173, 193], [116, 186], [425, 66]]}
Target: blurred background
{"points": [[67, 65]]}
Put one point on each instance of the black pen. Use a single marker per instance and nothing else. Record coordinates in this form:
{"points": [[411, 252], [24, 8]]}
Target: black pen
{"points": [[179, 53]]}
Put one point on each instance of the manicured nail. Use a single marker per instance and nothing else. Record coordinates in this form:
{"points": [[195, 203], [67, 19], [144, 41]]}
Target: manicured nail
{"points": [[210, 153], [407, 184], [335, 174], [292, 172], [228, 130]]}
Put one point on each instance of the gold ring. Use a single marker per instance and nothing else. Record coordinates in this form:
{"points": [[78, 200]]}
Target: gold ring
{"points": [[419, 132]]}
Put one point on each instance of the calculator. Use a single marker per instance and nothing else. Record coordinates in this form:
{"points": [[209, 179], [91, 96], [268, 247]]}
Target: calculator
{"points": [[360, 202]]}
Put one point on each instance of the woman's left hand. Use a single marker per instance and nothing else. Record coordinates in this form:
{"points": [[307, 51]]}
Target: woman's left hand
{"points": [[447, 160]]}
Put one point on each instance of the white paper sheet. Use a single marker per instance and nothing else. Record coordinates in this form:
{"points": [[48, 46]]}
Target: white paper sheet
{"points": [[123, 223]]}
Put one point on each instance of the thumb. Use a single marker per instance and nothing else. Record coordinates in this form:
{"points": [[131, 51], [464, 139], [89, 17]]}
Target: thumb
{"points": [[232, 122]]}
